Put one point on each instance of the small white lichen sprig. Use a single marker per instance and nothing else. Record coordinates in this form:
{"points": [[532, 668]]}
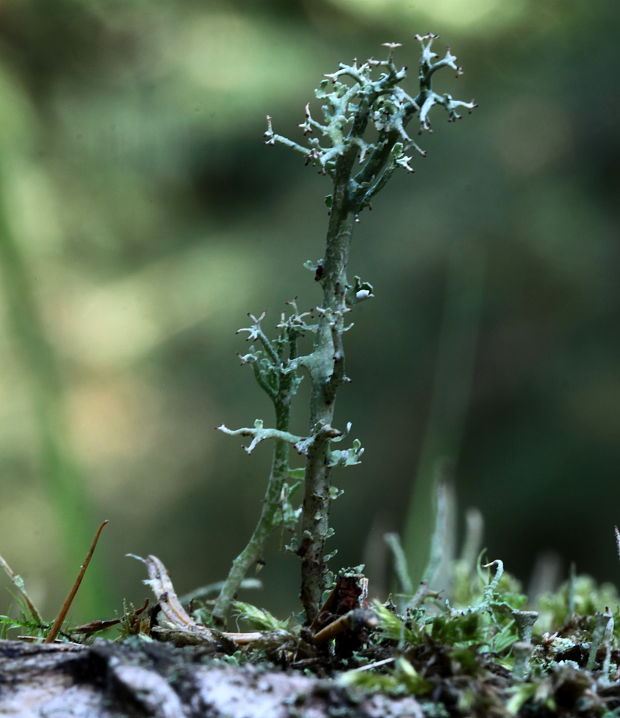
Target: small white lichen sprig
{"points": [[273, 362], [359, 142], [360, 97]]}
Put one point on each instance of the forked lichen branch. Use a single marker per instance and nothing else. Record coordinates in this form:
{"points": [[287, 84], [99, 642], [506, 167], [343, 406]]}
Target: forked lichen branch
{"points": [[359, 140]]}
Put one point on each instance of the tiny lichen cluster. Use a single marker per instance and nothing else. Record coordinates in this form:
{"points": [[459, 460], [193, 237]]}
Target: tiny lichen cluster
{"points": [[361, 139], [486, 655], [354, 99]]}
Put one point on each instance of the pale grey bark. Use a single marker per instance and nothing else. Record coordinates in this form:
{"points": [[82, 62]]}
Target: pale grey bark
{"points": [[153, 680]]}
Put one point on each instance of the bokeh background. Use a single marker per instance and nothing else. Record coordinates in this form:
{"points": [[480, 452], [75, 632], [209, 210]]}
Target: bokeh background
{"points": [[142, 217]]}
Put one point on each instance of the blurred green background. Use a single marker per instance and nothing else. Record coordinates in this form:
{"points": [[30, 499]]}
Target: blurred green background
{"points": [[142, 217]]}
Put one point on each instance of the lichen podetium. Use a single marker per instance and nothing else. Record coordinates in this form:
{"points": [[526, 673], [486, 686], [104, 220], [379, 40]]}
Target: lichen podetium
{"points": [[359, 142]]}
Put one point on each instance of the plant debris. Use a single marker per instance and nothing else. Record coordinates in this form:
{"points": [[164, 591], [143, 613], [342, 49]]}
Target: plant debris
{"points": [[480, 655]]}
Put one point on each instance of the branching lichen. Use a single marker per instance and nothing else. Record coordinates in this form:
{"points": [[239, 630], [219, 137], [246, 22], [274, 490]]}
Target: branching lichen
{"points": [[360, 139]]}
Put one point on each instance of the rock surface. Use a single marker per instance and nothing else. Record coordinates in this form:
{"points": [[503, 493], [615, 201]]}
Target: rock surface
{"points": [[137, 679]]}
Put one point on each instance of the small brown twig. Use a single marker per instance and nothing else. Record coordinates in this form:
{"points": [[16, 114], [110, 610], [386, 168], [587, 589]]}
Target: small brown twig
{"points": [[354, 620], [95, 626], [102, 625], [51, 636]]}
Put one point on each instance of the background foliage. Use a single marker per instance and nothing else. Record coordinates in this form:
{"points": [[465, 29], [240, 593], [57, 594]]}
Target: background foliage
{"points": [[141, 217]]}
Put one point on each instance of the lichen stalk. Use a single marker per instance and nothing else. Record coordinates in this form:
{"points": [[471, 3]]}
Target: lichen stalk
{"points": [[280, 384], [327, 374], [253, 550], [354, 98]]}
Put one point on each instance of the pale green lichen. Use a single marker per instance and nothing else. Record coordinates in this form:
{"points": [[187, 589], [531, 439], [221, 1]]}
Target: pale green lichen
{"points": [[359, 141]]}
